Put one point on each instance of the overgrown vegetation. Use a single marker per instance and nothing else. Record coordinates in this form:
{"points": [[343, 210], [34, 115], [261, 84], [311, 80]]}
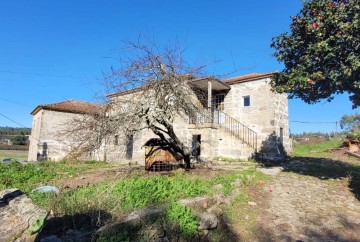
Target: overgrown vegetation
{"points": [[184, 218], [141, 190], [27, 177]]}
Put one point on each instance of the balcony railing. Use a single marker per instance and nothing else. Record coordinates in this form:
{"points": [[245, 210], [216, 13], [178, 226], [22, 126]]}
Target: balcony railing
{"points": [[230, 124]]}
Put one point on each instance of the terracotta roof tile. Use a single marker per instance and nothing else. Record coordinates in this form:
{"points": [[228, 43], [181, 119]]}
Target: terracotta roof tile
{"points": [[248, 77], [71, 106]]}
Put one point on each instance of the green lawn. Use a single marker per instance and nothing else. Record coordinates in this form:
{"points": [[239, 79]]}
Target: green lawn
{"points": [[16, 154]]}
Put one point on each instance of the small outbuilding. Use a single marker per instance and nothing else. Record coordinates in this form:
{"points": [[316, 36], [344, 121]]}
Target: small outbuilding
{"points": [[159, 156]]}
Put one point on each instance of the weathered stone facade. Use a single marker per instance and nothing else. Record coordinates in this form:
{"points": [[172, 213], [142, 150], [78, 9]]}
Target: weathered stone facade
{"points": [[263, 111], [48, 139]]}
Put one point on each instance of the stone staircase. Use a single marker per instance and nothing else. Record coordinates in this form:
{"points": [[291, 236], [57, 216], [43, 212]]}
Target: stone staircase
{"points": [[235, 138]]}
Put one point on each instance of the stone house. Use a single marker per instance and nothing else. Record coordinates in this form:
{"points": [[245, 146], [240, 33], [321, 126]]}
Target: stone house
{"points": [[242, 117], [48, 139]]}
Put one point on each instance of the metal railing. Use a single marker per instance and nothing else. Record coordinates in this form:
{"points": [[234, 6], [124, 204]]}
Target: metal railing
{"points": [[230, 124]]}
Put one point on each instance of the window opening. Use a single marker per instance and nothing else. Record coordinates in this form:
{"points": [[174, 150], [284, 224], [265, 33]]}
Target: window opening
{"points": [[246, 101]]}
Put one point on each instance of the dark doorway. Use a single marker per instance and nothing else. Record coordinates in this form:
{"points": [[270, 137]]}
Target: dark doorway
{"points": [[196, 145], [282, 135], [129, 147]]}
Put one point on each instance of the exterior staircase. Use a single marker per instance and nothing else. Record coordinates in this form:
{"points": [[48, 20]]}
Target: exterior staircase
{"points": [[226, 122]]}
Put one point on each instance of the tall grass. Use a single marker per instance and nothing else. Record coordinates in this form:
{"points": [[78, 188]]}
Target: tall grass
{"points": [[139, 191]]}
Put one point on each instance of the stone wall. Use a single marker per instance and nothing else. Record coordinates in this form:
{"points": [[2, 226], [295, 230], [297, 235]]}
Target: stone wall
{"points": [[49, 140], [267, 113]]}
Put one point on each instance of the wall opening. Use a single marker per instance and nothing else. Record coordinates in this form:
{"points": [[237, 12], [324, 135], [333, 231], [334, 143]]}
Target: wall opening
{"points": [[196, 145], [129, 147]]}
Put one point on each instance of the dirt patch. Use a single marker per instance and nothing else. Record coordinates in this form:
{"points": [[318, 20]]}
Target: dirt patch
{"points": [[96, 176]]}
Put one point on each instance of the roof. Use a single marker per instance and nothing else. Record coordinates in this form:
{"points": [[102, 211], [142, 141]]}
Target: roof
{"points": [[247, 77], [71, 106], [202, 82], [216, 84]]}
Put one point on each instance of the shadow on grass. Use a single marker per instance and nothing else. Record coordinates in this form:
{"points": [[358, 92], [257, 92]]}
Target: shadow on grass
{"points": [[323, 168], [323, 234], [158, 228], [77, 227]]}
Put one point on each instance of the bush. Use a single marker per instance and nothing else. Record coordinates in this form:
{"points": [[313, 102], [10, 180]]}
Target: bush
{"points": [[184, 218]]}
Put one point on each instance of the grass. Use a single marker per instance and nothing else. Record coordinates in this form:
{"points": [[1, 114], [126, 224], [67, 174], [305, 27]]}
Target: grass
{"points": [[114, 199], [16, 154], [28, 177], [315, 150], [141, 190]]}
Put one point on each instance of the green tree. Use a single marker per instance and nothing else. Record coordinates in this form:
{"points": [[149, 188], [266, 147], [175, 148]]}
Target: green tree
{"points": [[321, 53], [19, 140], [350, 122]]}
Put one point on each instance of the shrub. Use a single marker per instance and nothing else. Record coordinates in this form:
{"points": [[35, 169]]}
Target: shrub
{"points": [[184, 218]]}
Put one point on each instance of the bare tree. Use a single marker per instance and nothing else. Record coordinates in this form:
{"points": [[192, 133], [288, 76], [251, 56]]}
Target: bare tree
{"points": [[156, 83], [150, 88]]}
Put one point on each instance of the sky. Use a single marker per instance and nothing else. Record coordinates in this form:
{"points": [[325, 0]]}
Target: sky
{"points": [[52, 51]]}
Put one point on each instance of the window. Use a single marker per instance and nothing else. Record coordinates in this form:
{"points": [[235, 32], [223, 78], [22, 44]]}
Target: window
{"points": [[116, 140], [219, 101], [246, 101], [281, 135]]}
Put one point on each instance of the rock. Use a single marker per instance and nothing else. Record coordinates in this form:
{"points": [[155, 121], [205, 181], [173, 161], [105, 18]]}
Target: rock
{"points": [[208, 221], [273, 171], [252, 203], [51, 238], [17, 215], [234, 194], [218, 212], [237, 183], [221, 199], [196, 202], [218, 187]]}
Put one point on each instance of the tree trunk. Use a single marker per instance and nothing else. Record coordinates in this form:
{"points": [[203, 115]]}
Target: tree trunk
{"points": [[187, 161]]}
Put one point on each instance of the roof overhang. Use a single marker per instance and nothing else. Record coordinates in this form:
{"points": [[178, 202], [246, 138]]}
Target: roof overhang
{"points": [[216, 85]]}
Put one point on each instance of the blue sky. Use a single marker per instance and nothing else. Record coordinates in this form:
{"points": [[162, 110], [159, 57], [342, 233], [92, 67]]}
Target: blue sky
{"points": [[51, 51]]}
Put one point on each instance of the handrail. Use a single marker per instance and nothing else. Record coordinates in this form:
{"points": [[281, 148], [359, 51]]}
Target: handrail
{"points": [[239, 130]]}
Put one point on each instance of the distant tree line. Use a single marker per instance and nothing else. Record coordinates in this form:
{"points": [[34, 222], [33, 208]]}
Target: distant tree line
{"points": [[18, 136]]}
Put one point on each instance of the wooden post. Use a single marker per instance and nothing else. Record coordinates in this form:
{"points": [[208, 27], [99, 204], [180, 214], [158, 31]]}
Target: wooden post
{"points": [[209, 94]]}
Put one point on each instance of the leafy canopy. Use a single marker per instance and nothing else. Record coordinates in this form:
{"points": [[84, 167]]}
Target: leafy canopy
{"points": [[321, 53]]}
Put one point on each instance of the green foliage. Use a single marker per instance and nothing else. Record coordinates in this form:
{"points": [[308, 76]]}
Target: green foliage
{"points": [[184, 217], [321, 54], [19, 140], [14, 131], [27, 177], [355, 135], [23, 177], [350, 122], [139, 192], [38, 225]]}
